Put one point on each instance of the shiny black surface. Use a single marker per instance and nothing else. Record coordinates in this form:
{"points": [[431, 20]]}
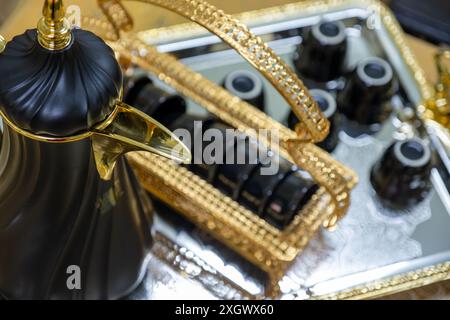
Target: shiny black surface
{"points": [[58, 93], [366, 96], [320, 57], [401, 178], [246, 85], [283, 205], [159, 104], [55, 212]]}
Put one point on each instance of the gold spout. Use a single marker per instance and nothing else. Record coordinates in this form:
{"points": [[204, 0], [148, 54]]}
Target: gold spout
{"points": [[53, 29], [131, 130], [2, 44]]}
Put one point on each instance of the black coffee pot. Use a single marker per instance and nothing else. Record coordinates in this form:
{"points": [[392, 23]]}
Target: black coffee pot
{"points": [[69, 203]]}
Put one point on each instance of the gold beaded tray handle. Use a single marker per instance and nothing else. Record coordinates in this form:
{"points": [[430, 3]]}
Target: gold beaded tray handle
{"points": [[270, 249]]}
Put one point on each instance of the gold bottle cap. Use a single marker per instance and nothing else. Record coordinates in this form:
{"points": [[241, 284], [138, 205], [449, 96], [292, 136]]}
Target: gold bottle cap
{"points": [[2, 44], [54, 29], [443, 86]]}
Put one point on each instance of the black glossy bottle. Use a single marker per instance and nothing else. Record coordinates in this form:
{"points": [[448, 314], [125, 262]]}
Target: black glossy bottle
{"points": [[163, 106], [366, 96], [246, 85], [320, 57], [401, 178]]}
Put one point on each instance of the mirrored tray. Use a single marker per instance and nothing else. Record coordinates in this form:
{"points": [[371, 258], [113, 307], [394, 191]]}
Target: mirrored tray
{"points": [[374, 251]]}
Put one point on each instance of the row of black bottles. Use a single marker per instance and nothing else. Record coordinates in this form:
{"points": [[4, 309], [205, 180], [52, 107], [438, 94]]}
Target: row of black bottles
{"points": [[401, 177], [367, 89], [369, 86], [274, 195]]}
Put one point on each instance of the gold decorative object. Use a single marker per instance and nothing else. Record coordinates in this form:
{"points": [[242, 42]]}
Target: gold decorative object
{"points": [[119, 137], [402, 282], [438, 108], [2, 44], [270, 249], [53, 28], [313, 126]]}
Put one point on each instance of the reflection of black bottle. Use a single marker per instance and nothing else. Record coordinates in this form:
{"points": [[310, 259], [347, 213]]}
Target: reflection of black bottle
{"points": [[282, 205], [245, 182], [259, 187], [321, 54], [401, 177], [157, 103], [327, 105], [240, 160], [246, 85], [366, 95], [195, 126]]}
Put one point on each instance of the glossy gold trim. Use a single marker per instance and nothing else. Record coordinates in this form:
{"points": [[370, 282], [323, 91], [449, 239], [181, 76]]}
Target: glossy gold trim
{"points": [[392, 285], [2, 44], [126, 129], [246, 118], [438, 109], [277, 13], [268, 248], [44, 138], [53, 139], [132, 130], [117, 16], [255, 51], [53, 28]]}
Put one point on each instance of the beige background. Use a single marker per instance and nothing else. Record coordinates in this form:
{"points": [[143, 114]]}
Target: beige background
{"points": [[145, 15]]}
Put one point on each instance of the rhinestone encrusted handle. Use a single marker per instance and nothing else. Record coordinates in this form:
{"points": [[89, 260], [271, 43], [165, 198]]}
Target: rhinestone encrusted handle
{"points": [[313, 126]]}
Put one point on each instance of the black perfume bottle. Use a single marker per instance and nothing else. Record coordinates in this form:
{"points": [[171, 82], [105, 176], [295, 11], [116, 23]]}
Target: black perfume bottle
{"points": [[246, 85], [401, 178], [283, 205], [159, 104], [259, 187], [367, 93], [327, 104], [320, 56], [240, 160]]}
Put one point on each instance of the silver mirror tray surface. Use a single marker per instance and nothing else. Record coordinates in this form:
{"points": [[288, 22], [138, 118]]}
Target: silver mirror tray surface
{"points": [[374, 251]]}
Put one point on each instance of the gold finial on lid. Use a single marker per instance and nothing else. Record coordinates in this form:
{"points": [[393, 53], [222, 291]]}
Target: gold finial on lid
{"points": [[2, 44], [53, 28]]}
